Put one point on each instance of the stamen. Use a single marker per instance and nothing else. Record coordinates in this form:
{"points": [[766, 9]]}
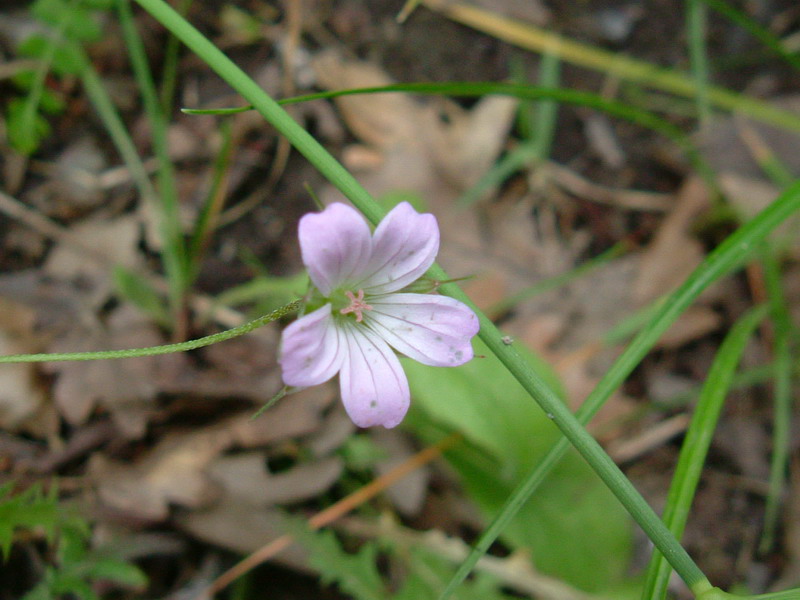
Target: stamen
{"points": [[357, 305]]}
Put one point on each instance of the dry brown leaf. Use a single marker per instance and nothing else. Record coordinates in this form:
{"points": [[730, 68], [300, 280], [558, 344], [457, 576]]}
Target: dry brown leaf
{"points": [[407, 494], [117, 239], [172, 472], [247, 478], [418, 146], [234, 524], [176, 470], [733, 147], [124, 387], [20, 397], [674, 252]]}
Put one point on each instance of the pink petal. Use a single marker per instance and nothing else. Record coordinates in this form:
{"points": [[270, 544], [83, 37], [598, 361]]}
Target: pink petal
{"points": [[312, 349], [434, 330], [373, 385], [335, 245], [404, 246]]}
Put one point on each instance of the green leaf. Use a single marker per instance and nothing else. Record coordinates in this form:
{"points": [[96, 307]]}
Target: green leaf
{"points": [[78, 23], [112, 569], [428, 574], [354, 574], [64, 61], [265, 291], [26, 129], [29, 510], [137, 290], [574, 527]]}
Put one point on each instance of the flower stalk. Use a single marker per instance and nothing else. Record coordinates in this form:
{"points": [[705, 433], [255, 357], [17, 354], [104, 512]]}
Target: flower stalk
{"points": [[214, 338]]}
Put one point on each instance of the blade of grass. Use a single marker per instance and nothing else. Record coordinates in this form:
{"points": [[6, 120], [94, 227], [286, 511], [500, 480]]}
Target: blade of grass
{"points": [[782, 393], [113, 123], [169, 73], [559, 95], [697, 442], [551, 283], [209, 214], [757, 31], [618, 65], [698, 58], [174, 251], [534, 149]]}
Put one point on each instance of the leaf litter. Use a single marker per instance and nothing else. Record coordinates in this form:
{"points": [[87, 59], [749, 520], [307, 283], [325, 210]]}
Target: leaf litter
{"points": [[183, 449]]}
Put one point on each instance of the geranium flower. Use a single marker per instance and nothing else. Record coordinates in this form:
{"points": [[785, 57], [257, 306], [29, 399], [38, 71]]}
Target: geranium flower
{"points": [[358, 311]]}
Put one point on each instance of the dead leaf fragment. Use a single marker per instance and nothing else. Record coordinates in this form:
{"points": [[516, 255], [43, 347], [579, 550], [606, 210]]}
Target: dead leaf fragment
{"points": [[674, 253], [116, 239], [124, 387]]}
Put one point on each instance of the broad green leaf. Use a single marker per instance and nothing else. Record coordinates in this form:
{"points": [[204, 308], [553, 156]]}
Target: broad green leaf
{"points": [[574, 528]]}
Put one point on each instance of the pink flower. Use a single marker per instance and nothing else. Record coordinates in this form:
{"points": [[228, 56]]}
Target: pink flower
{"points": [[358, 311]]}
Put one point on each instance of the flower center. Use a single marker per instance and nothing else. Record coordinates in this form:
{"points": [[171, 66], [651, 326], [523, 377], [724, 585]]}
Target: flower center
{"points": [[357, 305]]}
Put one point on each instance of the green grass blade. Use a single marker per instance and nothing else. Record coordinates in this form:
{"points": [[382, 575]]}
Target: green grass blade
{"points": [[169, 73], [757, 31], [551, 283], [614, 108], [782, 391], [533, 150], [612, 64], [113, 123], [207, 220], [698, 57], [174, 251], [697, 442]]}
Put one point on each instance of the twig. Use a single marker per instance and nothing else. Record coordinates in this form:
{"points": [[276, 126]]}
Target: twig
{"points": [[333, 512]]}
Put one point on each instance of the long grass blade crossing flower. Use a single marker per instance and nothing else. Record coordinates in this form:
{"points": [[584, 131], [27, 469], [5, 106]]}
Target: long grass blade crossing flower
{"points": [[358, 311]]}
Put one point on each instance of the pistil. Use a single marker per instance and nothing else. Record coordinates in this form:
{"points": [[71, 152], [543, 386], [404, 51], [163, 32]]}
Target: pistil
{"points": [[357, 305]]}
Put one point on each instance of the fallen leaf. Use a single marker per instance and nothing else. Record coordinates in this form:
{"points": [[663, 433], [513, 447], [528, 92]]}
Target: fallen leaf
{"points": [[20, 397], [116, 239], [124, 387]]}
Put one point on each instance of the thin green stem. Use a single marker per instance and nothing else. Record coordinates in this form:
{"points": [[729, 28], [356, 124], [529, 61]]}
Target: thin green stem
{"points": [[209, 213], [156, 350], [782, 392], [540, 287], [614, 108], [697, 442], [761, 34], [114, 125], [698, 58], [174, 251], [169, 74]]}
